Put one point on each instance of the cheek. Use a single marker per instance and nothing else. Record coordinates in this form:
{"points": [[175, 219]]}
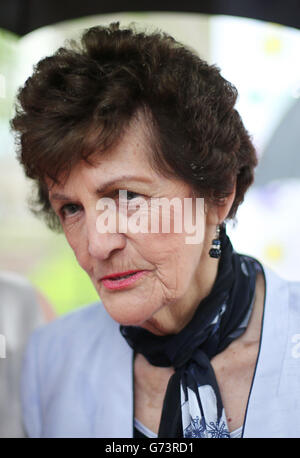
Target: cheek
{"points": [[174, 260], [78, 243]]}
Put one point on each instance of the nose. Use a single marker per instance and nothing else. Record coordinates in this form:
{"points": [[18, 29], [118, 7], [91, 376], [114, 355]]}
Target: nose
{"points": [[102, 244]]}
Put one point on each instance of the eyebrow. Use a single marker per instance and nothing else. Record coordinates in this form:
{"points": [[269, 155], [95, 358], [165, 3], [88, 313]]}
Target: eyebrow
{"points": [[104, 187]]}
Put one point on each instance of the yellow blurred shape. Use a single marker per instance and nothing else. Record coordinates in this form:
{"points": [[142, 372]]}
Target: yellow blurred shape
{"points": [[273, 252], [272, 45]]}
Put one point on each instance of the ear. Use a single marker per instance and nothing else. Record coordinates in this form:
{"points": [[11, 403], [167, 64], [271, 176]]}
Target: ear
{"points": [[216, 214]]}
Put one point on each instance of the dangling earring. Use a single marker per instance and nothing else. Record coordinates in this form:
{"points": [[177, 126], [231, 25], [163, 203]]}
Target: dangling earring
{"points": [[215, 251]]}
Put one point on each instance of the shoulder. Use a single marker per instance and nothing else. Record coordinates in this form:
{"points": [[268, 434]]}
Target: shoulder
{"points": [[280, 296], [68, 363], [80, 323], [279, 287], [282, 307], [72, 335], [275, 284]]}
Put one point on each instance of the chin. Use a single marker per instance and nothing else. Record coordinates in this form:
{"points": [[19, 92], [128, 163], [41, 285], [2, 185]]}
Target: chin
{"points": [[135, 316]]}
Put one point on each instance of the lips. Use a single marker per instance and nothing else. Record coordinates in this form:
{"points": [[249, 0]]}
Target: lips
{"points": [[119, 275], [122, 280]]}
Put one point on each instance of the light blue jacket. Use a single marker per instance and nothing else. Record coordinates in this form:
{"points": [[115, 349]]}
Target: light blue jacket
{"points": [[78, 373]]}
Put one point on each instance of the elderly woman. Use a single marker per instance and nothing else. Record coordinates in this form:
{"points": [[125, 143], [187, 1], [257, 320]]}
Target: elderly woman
{"points": [[189, 339]]}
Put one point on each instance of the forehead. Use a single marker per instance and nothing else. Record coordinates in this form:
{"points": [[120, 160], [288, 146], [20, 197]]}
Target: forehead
{"points": [[131, 152], [130, 156]]}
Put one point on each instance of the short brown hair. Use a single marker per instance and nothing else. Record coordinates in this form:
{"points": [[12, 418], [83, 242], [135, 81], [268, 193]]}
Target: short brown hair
{"points": [[79, 100]]}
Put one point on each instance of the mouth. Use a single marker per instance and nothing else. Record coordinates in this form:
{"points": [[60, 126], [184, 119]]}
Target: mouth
{"points": [[122, 280]]}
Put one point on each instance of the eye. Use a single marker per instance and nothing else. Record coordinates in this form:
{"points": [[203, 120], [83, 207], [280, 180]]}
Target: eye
{"points": [[68, 210], [132, 195]]}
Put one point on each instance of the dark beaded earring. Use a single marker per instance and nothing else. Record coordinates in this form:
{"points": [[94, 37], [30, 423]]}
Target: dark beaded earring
{"points": [[215, 251]]}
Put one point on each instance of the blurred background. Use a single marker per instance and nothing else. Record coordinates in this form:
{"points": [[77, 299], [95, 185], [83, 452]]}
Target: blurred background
{"points": [[261, 58]]}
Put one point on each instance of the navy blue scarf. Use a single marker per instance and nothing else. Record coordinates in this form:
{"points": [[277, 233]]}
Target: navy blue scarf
{"points": [[193, 405]]}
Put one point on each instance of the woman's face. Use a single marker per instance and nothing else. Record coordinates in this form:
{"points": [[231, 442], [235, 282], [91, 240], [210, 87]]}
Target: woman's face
{"points": [[167, 286]]}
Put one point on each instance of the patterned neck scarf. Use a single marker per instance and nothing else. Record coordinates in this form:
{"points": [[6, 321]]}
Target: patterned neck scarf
{"points": [[193, 405]]}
